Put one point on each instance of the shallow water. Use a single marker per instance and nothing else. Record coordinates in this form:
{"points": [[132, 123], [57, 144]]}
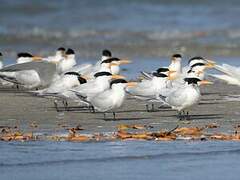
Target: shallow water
{"points": [[119, 160]]}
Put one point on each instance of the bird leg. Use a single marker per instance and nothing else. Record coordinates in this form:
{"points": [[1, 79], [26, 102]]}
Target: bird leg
{"points": [[153, 107], [188, 116], [147, 109], [93, 109], [65, 104], [56, 105], [179, 115], [114, 115]]}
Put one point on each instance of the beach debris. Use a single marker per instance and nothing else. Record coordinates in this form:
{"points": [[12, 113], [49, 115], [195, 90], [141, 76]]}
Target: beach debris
{"points": [[225, 137], [212, 126], [189, 131], [124, 132], [133, 126]]}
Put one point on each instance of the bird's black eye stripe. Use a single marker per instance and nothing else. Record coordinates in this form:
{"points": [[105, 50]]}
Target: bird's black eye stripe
{"points": [[24, 54], [103, 73], [177, 56], [116, 81], [109, 60], [159, 74], [197, 64], [159, 70], [72, 73], [195, 58]]}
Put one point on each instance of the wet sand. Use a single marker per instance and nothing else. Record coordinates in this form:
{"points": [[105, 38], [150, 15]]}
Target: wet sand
{"points": [[20, 109]]}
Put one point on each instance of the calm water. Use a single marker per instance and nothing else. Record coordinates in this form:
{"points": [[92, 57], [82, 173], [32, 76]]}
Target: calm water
{"points": [[120, 160]]}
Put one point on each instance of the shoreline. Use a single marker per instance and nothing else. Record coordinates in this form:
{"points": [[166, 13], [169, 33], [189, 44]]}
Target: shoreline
{"points": [[34, 114]]}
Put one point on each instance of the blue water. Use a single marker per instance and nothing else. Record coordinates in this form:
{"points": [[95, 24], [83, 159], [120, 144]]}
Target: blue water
{"points": [[120, 160], [128, 27]]}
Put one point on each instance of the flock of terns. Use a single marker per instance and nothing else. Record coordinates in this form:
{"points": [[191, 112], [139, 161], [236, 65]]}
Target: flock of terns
{"points": [[100, 86]]}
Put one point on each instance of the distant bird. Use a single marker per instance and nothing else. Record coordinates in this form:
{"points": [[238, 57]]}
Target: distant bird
{"points": [[67, 62], [175, 68], [60, 53]]}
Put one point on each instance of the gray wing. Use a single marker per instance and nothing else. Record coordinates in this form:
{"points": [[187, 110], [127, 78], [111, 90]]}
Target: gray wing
{"points": [[45, 69]]}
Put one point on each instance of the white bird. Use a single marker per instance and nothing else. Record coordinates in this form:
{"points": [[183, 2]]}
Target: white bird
{"points": [[107, 59], [147, 90], [24, 57], [67, 62], [60, 53], [30, 74], [100, 83], [174, 68], [198, 64], [67, 81], [110, 99], [184, 97]]}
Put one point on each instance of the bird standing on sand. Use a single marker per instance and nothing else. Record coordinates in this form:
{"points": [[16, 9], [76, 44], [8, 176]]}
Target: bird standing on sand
{"points": [[111, 99], [147, 90], [183, 97]]}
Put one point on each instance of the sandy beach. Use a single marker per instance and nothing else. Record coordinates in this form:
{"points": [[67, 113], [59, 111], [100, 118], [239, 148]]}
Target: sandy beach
{"points": [[20, 109]]}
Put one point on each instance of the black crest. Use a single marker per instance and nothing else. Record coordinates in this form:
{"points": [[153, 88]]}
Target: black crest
{"points": [[107, 53], [177, 56], [195, 58], [70, 51], [24, 54], [61, 49], [159, 75], [192, 80], [159, 70], [116, 81], [109, 60], [103, 73]]}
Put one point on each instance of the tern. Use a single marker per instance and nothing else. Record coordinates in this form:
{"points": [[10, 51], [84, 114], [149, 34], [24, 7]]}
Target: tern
{"points": [[184, 97], [67, 81], [60, 53], [148, 89], [30, 74], [24, 57], [67, 62], [112, 98]]}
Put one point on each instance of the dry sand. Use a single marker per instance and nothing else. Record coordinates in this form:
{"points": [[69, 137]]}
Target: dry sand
{"points": [[21, 109]]}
